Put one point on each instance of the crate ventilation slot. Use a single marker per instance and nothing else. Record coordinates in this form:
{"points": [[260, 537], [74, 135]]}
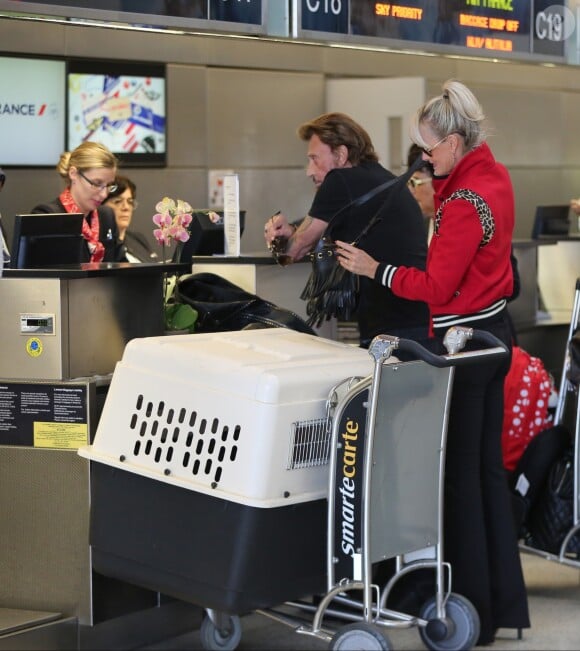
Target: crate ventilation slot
{"points": [[310, 443], [198, 444]]}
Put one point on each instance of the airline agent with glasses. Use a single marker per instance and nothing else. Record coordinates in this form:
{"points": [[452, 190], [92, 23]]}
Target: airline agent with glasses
{"points": [[135, 247], [467, 281], [89, 174]]}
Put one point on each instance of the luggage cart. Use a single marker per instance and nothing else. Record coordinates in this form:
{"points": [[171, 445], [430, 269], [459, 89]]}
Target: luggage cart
{"points": [[244, 526], [386, 497], [567, 391], [209, 469]]}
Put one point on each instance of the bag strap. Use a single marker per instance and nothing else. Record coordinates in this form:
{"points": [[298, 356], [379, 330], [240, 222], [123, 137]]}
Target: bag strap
{"points": [[359, 201]]}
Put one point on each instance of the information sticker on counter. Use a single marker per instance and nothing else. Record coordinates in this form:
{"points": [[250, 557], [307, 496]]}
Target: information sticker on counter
{"points": [[44, 415]]}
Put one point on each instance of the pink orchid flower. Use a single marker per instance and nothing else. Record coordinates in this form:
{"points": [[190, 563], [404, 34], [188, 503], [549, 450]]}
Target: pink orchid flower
{"points": [[172, 218]]}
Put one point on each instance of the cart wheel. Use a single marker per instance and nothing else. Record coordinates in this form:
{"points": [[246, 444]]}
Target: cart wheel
{"points": [[224, 639], [462, 630], [359, 637]]}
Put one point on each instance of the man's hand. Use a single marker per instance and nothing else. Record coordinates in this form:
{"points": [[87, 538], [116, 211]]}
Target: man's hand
{"points": [[277, 226]]}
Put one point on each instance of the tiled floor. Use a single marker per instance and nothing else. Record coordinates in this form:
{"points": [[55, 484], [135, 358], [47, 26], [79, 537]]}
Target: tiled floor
{"points": [[554, 598]]}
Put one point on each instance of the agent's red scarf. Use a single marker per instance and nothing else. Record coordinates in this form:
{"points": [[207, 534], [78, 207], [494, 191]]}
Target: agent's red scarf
{"points": [[90, 232]]}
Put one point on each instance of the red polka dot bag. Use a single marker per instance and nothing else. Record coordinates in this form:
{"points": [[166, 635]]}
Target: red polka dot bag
{"points": [[527, 390]]}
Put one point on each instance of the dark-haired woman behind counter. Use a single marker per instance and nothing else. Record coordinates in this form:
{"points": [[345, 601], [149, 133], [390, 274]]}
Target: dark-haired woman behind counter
{"points": [[123, 201]]}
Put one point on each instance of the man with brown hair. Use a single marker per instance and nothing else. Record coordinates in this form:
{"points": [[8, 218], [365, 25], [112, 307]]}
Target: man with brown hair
{"points": [[344, 167]]}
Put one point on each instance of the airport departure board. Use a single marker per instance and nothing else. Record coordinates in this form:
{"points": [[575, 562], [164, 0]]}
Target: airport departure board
{"points": [[159, 12], [536, 29], [486, 27]]}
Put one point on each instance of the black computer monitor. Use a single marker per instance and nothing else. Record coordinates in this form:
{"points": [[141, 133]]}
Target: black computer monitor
{"points": [[206, 235], [551, 221], [47, 240]]}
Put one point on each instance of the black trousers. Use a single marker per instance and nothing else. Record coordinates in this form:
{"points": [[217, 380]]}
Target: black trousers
{"points": [[480, 538]]}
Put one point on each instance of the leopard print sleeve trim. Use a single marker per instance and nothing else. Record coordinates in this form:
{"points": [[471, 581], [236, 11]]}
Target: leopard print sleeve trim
{"points": [[483, 211]]}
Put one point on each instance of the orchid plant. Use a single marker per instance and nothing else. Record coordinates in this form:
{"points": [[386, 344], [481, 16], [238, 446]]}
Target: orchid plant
{"points": [[172, 219]]}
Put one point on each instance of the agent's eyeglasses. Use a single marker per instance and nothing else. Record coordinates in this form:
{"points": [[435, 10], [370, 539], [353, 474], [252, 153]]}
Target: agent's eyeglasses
{"points": [[415, 183], [117, 201], [99, 186], [429, 150]]}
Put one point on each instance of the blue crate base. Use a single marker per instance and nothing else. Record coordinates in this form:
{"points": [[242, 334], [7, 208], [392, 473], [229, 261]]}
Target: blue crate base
{"points": [[202, 549]]}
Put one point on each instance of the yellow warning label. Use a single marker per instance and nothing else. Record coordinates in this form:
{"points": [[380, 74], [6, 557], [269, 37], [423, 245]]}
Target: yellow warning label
{"points": [[68, 436], [34, 347]]}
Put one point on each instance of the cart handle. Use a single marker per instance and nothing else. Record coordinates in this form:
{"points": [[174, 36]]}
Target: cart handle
{"points": [[382, 346]]}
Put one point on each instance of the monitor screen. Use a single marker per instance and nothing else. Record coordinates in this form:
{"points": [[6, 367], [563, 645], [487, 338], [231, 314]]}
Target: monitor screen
{"points": [[32, 111], [206, 236], [120, 105], [47, 240], [551, 221]]}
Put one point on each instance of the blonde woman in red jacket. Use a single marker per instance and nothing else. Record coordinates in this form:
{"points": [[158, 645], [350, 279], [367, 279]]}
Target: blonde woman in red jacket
{"points": [[467, 279]]}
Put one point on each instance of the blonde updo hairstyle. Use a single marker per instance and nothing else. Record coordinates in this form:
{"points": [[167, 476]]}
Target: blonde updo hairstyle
{"points": [[88, 155], [456, 110]]}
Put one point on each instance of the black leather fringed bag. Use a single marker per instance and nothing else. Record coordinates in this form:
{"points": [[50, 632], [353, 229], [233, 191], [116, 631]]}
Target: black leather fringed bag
{"points": [[331, 290]]}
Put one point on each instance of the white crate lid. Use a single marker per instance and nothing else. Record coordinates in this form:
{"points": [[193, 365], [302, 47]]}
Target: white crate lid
{"points": [[268, 365]]}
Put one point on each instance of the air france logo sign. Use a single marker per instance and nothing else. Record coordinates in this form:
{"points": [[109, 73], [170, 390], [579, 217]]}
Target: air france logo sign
{"points": [[29, 110], [348, 488], [32, 111]]}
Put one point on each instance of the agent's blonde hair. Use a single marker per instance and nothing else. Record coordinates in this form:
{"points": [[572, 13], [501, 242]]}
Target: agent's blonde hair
{"points": [[456, 110], [88, 155]]}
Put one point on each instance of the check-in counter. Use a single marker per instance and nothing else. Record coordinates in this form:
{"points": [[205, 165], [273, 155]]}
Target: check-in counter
{"points": [[61, 333], [558, 269], [57, 324], [549, 268]]}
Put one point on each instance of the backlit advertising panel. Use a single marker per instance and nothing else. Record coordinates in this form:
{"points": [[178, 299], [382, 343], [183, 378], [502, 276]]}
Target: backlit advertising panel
{"points": [[32, 111]]}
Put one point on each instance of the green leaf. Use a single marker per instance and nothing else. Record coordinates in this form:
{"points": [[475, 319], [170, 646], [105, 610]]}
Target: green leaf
{"points": [[179, 316]]}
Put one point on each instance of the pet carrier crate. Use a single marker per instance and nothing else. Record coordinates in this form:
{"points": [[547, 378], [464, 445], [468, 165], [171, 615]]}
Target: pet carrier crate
{"points": [[209, 471]]}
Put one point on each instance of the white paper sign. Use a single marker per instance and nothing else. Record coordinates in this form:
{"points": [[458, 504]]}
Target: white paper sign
{"points": [[216, 188], [231, 215]]}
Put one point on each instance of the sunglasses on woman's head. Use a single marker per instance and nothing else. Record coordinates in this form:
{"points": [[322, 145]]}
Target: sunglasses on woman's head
{"points": [[428, 151]]}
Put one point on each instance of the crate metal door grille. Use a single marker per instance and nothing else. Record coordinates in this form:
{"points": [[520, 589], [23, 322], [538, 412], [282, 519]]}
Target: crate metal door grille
{"points": [[310, 443], [200, 444]]}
